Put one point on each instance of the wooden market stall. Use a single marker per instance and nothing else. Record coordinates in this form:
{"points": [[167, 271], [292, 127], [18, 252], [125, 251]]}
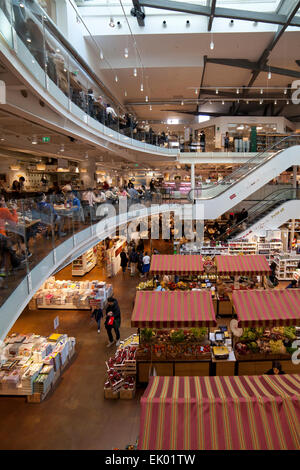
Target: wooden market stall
{"points": [[252, 413], [268, 319], [236, 266], [184, 265], [173, 332]]}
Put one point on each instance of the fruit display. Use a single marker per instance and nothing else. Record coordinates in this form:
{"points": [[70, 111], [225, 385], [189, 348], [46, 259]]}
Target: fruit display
{"points": [[270, 341], [173, 344]]}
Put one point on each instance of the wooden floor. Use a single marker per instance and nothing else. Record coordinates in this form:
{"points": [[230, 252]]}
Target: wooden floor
{"points": [[76, 415]]}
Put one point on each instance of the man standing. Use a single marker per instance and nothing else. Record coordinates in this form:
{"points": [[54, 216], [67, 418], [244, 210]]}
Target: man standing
{"points": [[113, 320]]}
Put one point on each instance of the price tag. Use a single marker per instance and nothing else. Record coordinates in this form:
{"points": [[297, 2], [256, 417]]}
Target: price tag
{"points": [[56, 322]]}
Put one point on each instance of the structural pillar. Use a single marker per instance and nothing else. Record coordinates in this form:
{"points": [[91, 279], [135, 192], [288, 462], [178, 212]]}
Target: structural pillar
{"points": [[292, 232], [88, 177]]}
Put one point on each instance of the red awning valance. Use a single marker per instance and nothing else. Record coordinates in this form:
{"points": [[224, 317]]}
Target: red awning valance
{"points": [[242, 264], [221, 413], [175, 309], [176, 264], [267, 307]]}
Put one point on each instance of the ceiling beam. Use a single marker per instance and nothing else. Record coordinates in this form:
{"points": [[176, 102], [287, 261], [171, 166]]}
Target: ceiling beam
{"points": [[212, 14], [234, 14], [247, 64]]}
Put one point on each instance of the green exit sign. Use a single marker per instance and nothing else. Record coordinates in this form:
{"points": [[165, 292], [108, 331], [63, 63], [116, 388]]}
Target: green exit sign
{"points": [[46, 139]]}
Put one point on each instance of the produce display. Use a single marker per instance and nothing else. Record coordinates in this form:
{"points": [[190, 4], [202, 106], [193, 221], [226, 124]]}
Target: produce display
{"points": [[181, 285], [270, 341], [121, 370], [176, 344]]}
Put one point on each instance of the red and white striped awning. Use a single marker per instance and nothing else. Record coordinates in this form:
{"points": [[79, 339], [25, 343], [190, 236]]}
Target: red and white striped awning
{"points": [[221, 413], [173, 309], [267, 307], [242, 264], [176, 264]]}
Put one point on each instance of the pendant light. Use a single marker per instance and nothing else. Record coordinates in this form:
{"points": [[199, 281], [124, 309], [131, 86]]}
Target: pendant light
{"points": [[126, 53], [134, 72], [142, 87]]}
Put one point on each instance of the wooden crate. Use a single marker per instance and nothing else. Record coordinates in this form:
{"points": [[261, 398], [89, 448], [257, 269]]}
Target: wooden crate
{"points": [[109, 394], [192, 368], [127, 394]]}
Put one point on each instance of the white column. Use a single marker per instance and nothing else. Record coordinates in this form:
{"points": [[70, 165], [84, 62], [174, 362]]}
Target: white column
{"points": [[292, 232], [192, 176], [88, 178]]}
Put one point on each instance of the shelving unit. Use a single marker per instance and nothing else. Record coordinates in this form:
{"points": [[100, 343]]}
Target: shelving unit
{"points": [[84, 263], [286, 266], [264, 140], [246, 248], [269, 249]]}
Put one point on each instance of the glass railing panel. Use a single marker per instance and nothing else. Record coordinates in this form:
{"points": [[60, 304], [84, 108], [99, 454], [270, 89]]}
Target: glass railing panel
{"points": [[29, 61], [57, 68], [6, 19]]}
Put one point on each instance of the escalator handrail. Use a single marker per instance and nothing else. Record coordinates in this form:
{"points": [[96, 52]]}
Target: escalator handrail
{"points": [[252, 159], [257, 212]]}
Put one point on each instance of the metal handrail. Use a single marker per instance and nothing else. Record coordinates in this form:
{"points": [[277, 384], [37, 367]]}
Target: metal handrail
{"points": [[248, 165], [263, 205]]}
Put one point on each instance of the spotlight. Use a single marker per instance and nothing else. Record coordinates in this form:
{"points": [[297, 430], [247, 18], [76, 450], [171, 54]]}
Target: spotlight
{"points": [[101, 55], [285, 91], [217, 91], [223, 102], [237, 91], [111, 23], [275, 101], [211, 45], [269, 75]]}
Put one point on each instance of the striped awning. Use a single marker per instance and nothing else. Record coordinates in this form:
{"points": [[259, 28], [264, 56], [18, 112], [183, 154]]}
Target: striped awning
{"points": [[176, 264], [242, 264], [221, 413], [173, 309], [267, 307]]}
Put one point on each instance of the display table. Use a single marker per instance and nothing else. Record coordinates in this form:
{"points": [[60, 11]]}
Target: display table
{"points": [[268, 320], [170, 368], [173, 328], [222, 367]]}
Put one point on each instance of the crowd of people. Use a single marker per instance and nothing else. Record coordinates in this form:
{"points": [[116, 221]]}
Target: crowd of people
{"points": [[24, 221]]}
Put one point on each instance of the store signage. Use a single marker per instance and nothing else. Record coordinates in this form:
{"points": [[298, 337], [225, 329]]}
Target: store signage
{"points": [[56, 322], [46, 139]]}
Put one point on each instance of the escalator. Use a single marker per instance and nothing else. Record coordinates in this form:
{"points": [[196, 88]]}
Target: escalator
{"points": [[259, 170], [268, 214]]}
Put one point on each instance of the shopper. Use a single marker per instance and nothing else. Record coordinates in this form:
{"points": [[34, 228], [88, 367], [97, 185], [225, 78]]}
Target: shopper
{"points": [[49, 215], [292, 285], [276, 369], [134, 257], [146, 264], [202, 141], [226, 142], [97, 313], [113, 320], [124, 261], [6, 248]]}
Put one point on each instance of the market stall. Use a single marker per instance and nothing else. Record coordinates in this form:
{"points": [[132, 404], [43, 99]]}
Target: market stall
{"points": [[183, 265], [221, 413], [266, 329], [173, 328], [248, 271]]}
